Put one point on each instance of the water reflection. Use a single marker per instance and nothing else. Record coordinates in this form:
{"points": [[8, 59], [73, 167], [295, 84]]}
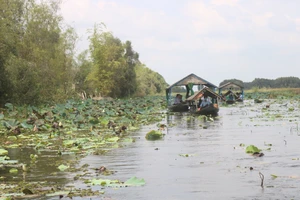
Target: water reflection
{"points": [[43, 169], [215, 166]]}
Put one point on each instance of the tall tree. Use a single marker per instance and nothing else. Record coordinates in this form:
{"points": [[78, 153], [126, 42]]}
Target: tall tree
{"points": [[40, 70], [113, 72], [129, 85]]}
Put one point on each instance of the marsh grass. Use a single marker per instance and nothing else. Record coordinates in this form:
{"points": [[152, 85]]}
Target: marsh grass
{"points": [[272, 93]]}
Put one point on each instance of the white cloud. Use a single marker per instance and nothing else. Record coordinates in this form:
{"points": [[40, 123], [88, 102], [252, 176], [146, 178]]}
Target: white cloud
{"points": [[217, 34], [225, 2]]}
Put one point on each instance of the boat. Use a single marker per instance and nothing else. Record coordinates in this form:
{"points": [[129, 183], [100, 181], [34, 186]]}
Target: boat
{"points": [[258, 100], [234, 92], [182, 107], [212, 109], [188, 83]]}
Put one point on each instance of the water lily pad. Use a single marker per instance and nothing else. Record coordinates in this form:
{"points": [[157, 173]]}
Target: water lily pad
{"points": [[58, 193], [252, 149], [12, 138], [3, 152], [154, 135], [104, 182], [134, 181], [113, 139], [62, 167], [13, 171], [186, 155]]}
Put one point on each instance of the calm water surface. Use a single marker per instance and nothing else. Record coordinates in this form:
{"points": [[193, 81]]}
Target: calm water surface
{"points": [[217, 168]]}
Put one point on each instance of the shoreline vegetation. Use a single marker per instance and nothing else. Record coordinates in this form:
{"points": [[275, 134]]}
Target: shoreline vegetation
{"points": [[272, 93]]}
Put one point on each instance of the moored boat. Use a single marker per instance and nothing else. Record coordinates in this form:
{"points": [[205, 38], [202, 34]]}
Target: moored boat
{"points": [[194, 102], [182, 107], [188, 83], [233, 92]]}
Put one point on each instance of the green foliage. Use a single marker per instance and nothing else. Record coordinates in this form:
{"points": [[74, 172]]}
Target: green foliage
{"points": [[149, 82], [39, 56], [37, 61], [281, 82], [252, 149], [3, 152], [236, 81], [154, 135]]}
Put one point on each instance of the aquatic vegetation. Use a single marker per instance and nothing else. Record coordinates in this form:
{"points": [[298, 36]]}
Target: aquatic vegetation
{"points": [[252, 149], [133, 181], [154, 135], [76, 128]]}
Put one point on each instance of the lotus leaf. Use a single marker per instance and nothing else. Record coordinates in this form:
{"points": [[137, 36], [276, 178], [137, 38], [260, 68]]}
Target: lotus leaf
{"points": [[186, 155], [134, 181], [3, 152], [252, 149], [104, 182], [12, 138], [11, 124], [154, 135], [12, 146], [8, 162], [13, 171], [274, 176], [9, 106], [62, 167], [58, 193], [113, 139], [26, 126]]}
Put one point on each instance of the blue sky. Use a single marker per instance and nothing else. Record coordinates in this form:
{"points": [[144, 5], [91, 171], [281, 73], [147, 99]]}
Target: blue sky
{"points": [[215, 39]]}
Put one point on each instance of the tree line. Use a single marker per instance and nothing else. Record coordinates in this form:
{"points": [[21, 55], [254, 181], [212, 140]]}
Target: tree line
{"points": [[38, 63], [281, 82]]}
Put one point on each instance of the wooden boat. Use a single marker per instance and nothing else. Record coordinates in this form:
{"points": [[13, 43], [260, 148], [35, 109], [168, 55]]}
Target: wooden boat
{"points": [[258, 100], [212, 109], [188, 82], [182, 107], [230, 101], [234, 92]]}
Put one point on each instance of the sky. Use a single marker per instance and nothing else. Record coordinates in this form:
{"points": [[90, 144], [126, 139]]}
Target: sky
{"points": [[214, 39]]}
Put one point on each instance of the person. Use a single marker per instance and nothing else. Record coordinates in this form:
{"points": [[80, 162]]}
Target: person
{"points": [[231, 97], [241, 96], [204, 103], [178, 99]]}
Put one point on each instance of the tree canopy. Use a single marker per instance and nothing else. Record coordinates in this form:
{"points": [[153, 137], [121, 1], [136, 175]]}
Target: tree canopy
{"points": [[38, 62], [281, 82]]}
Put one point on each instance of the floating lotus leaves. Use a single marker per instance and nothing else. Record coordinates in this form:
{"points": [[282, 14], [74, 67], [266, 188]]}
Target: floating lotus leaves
{"points": [[13, 171], [154, 135], [187, 155], [252, 149], [11, 124], [9, 106], [113, 139], [133, 181], [63, 167], [3, 152]]}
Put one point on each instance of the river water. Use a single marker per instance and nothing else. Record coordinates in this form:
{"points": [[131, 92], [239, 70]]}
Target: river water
{"points": [[216, 165]]}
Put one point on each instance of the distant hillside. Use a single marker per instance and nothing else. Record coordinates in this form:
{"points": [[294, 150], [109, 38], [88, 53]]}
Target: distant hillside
{"points": [[282, 82]]}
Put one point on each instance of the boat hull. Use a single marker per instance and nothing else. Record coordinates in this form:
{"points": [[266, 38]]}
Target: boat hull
{"points": [[179, 108], [230, 101], [209, 110]]}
